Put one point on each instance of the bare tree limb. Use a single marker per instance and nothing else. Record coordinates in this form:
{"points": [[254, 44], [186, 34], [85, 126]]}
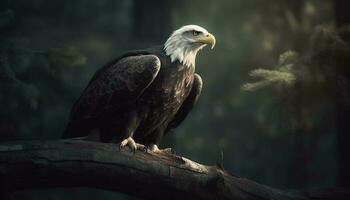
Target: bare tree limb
{"points": [[77, 163]]}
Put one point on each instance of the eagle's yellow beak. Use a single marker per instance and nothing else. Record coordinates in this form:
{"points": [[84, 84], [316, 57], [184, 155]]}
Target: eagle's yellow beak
{"points": [[207, 39]]}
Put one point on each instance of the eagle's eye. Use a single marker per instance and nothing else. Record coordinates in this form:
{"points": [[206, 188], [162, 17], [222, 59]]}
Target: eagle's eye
{"points": [[195, 33]]}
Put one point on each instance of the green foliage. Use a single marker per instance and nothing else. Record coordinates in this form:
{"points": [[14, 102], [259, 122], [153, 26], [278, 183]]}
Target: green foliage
{"points": [[317, 67], [282, 75]]}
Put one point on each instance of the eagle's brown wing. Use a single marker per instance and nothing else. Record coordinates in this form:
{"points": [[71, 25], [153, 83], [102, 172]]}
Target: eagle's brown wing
{"points": [[113, 87]]}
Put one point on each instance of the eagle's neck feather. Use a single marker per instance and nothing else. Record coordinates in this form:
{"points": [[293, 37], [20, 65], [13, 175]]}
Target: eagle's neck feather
{"points": [[182, 50]]}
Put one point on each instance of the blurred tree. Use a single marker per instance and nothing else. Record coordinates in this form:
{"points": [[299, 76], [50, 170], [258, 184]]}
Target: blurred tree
{"points": [[343, 97], [310, 77], [290, 27]]}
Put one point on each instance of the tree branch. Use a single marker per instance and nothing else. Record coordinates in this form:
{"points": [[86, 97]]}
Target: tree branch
{"points": [[77, 163]]}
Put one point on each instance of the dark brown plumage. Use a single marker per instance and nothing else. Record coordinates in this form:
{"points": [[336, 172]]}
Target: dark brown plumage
{"points": [[142, 95]]}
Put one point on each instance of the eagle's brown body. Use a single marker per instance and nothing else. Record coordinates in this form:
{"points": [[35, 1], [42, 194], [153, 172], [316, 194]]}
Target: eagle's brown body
{"points": [[141, 94]]}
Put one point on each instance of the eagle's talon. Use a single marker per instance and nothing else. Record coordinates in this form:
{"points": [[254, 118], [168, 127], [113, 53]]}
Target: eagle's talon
{"points": [[154, 149], [128, 142], [141, 147], [167, 150]]}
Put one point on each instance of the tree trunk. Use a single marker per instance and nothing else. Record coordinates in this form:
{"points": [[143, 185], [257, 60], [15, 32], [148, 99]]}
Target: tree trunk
{"points": [[76, 163], [298, 172], [343, 101]]}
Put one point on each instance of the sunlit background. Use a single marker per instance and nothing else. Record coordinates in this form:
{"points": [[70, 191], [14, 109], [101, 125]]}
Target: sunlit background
{"points": [[279, 129]]}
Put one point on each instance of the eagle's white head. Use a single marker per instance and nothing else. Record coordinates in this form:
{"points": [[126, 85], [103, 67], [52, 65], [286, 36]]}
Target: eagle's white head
{"points": [[184, 43]]}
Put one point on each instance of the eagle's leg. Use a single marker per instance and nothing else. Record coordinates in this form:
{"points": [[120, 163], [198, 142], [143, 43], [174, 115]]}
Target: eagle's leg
{"points": [[130, 126]]}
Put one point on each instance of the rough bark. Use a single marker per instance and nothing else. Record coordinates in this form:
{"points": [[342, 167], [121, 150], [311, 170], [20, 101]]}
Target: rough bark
{"points": [[77, 163]]}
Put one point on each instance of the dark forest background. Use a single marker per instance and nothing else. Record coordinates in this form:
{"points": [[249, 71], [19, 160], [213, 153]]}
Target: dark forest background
{"points": [[276, 87]]}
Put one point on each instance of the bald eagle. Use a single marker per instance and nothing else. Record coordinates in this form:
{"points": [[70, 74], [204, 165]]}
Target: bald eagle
{"points": [[137, 98]]}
